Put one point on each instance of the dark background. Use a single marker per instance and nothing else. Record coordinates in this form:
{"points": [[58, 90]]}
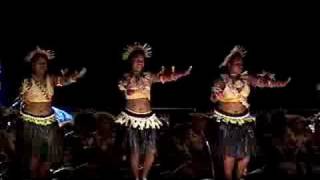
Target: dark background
{"points": [[279, 38]]}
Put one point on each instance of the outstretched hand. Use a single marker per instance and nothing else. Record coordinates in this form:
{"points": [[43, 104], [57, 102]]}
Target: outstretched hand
{"points": [[75, 74], [173, 74], [280, 84], [284, 83], [81, 73], [188, 71]]}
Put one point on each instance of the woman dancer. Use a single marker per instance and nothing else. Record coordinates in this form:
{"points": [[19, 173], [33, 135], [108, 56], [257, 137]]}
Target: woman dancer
{"points": [[42, 136], [236, 125], [138, 118]]}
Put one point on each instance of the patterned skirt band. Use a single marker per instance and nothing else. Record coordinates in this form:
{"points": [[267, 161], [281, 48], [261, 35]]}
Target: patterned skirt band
{"points": [[38, 120], [233, 119], [139, 121], [58, 115]]}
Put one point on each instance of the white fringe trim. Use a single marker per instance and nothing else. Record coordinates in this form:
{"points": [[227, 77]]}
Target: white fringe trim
{"points": [[247, 118], [151, 122], [226, 116]]}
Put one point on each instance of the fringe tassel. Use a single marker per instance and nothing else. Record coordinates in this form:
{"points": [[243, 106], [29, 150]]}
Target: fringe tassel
{"points": [[151, 122], [234, 120]]}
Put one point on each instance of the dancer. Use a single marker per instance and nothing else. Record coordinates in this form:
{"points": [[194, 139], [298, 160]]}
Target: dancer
{"points": [[138, 118], [42, 136], [236, 125]]}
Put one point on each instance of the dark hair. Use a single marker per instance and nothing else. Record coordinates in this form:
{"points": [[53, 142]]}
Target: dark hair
{"points": [[136, 53], [37, 56]]}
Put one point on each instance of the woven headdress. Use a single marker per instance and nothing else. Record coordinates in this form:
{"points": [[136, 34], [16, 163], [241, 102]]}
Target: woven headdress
{"points": [[146, 48], [48, 53], [236, 49]]}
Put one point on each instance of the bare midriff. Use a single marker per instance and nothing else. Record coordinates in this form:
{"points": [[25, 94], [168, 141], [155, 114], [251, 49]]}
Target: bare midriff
{"points": [[139, 105], [232, 107], [38, 108]]}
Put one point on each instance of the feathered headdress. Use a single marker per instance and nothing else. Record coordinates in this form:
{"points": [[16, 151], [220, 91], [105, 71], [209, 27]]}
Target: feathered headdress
{"points": [[49, 53], [146, 48], [236, 49]]}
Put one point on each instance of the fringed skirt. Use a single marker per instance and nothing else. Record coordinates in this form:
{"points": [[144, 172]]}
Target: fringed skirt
{"points": [[141, 130], [236, 136], [42, 138]]}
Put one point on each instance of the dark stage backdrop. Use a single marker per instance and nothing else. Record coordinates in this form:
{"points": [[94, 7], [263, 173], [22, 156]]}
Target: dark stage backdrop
{"points": [[283, 44]]}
